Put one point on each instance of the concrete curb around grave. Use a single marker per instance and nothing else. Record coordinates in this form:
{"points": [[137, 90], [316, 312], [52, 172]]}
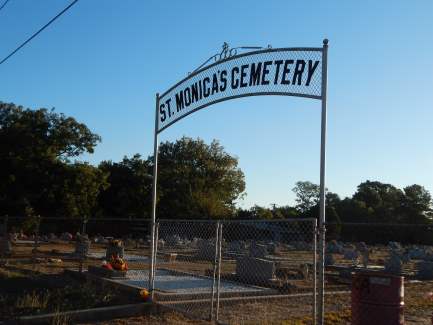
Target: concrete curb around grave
{"points": [[85, 315]]}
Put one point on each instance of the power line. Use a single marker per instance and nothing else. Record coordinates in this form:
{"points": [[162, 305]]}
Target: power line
{"points": [[4, 4], [39, 31]]}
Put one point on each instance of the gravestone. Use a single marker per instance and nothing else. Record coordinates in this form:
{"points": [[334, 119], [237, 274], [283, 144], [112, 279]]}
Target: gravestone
{"points": [[361, 247], [101, 240], [350, 254], [82, 245], [329, 259], [395, 246], [66, 236], [161, 243], [194, 242], [416, 253], [254, 270], [169, 257], [301, 245], [274, 248], [115, 248], [129, 242], [365, 257], [5, 247], [5, 243], [235, 246], [334, 247], [394, 264], [174, 240], [305, 271], [206, 250], [425, 270], [258, 250]]}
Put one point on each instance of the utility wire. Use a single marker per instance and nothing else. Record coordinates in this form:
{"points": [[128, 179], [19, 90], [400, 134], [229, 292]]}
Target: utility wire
{"points": [[4, 4], [39, 31]]}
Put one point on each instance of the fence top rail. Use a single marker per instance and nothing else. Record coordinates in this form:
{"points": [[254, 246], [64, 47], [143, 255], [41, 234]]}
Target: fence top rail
{"points": [[379, 224], [169, 220], [239, 220], [78, 219]]}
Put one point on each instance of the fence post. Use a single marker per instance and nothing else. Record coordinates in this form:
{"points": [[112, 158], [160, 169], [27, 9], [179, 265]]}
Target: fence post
{"points": [[83, 256], [36, 243], [154, 256], [315, 233], [215, 263], [152, 248], [220, 240], [83, 226], [322, 223]]}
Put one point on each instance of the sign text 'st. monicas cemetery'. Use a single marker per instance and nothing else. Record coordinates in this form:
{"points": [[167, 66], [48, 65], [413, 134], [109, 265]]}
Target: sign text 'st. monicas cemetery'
{"points": [[292, 72]]}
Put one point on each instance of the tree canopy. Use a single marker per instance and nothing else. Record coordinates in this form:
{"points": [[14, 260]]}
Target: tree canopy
{"points": [[39, 175], [35, 170], [197, 180], [129, 193]]}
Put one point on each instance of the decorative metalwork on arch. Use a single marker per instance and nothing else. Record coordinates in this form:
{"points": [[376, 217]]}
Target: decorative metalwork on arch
{"points": [[228, 52]]}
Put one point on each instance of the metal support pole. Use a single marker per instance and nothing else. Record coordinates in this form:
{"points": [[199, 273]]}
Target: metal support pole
{"points": [[36, 243], [154, 184], [314, 272], [322, 227], [83, 226], [155, 253], [214, 270], [220, 240]]}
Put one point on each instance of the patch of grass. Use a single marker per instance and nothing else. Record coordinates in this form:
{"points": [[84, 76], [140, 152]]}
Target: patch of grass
{"points": [[337, 318], [60, 319], [33, 300], [6, 274], [24, 295]]}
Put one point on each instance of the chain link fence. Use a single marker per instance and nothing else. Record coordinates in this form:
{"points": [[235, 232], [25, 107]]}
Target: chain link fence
{"points": [[240, 271], [185, 266], [222, 270], [56, 244]]}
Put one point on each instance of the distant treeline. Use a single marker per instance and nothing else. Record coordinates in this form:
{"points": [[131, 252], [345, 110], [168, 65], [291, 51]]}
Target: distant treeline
{"points": [[40, 176]]}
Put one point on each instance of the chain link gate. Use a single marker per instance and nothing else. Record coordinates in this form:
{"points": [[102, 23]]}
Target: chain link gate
{"points": [[225, 270], [184, 271]]}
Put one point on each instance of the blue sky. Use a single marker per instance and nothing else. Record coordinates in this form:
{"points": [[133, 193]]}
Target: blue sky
{"points": [[104, 61]]}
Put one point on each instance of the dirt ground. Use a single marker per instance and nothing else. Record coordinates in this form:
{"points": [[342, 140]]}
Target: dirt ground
{"points": [[293, 311]]}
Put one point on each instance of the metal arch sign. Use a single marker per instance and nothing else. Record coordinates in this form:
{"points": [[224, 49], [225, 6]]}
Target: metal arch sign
{"points": [[281, 71], [300, 72]]}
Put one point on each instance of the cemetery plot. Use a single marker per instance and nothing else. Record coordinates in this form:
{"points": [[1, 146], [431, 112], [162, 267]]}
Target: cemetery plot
{"points": [[239, 271]]}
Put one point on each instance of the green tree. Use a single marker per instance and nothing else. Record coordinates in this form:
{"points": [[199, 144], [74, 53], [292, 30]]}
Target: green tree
{"points": [[284, 212], [129, 193], [36, 145], [416, 204], [76, 190], [384, 200], [258, 212], [197, 180], [35, 135], [307, 195]]}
